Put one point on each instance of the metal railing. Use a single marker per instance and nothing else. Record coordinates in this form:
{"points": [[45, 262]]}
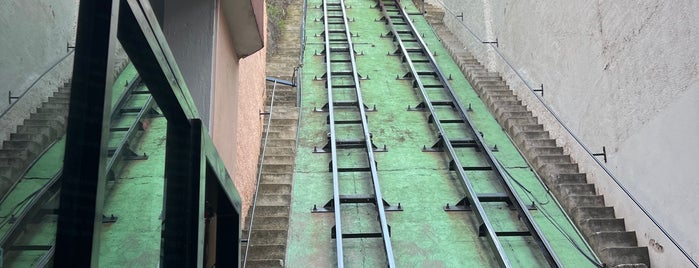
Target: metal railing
{"points": [[36, 81], [533, 90]]}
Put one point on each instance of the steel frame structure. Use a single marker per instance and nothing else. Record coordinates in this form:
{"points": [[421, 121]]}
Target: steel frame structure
{"points": [[343, 47], [473, 200], [194, 173]]}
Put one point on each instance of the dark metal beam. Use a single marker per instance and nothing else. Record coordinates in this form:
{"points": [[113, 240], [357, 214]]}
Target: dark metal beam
{"points": [[144, 42], [83, 180]]}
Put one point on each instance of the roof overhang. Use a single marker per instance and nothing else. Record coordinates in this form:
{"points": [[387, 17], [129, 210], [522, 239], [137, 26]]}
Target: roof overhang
{"points": [[245, 23]]}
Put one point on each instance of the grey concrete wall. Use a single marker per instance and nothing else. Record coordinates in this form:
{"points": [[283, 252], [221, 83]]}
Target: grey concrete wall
{"points": [[35, 35], [189, 29], [622, 74]]}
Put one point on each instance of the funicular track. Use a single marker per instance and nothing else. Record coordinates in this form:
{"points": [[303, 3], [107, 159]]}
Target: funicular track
{"points": [[38, 209], [349, 131], [451, 119]]}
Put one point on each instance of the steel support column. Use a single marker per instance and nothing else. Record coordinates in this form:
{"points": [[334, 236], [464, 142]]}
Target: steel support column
{"points": [[183, 222], [83, 180]]}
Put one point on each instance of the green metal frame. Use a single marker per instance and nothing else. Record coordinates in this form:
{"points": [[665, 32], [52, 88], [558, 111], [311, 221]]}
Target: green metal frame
{"points": [[195, 177]]}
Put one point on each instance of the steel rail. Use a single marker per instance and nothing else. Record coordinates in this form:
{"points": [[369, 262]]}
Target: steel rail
{"points": [[378, 199], [472, 196], [333, 146], [51, 188]]}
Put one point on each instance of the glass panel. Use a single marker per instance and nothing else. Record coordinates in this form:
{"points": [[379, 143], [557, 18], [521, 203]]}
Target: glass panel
{"points": [[130, 235], [37, 64]]}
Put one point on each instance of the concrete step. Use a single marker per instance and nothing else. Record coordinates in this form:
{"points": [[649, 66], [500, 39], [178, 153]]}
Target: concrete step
{"points": [[278, 168], [49, 116], [17, 153], [62, 94], [527, 145], [266, 252], [279, 134], [570, 178], [500, 110], [275, 189], [61, 100], [492, 100], [490, 88], [602, 240], [266, 237], [63, 107], [288, 143], [268, 223], [5, 183], [264, 263], [271, 211], [274, 200], [489, 83], [10, 171], [507, 115], [570, 189], [584, 213], [602, 225], [281, 128], [278, 159], [280, 151], [615, 256], [552, 170], [40, 138], [276, 178], [523, 136], [584, 200], [471, 67], [551, 159], [52, 109], [553, 150], [14, 161], [283, 121], [40, 130], [30, 146]]}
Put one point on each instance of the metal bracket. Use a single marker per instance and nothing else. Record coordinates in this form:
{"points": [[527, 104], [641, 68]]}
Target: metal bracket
{"points": [[354, 199], [10, 97], [109, 219], [603, 153], [496, 42], [349, 144], [539, 90]]}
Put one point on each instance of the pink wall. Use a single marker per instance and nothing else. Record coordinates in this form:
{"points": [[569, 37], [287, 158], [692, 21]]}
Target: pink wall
{"points": [[238, 98]]}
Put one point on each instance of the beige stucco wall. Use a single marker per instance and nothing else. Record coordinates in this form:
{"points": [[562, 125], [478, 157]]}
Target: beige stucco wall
{"points": [[621, 74], [238, 95]]}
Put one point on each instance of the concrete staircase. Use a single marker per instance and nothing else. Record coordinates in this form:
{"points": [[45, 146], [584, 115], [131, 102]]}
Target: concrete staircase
{"points": [[607, 234], [32, 138], [267, 245]]}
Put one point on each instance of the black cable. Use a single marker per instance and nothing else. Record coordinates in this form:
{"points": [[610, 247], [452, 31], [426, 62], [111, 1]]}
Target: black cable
{"points": [[543, 211]]}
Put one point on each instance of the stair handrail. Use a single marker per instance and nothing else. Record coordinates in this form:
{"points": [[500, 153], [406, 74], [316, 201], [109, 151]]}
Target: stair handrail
{"points": [[259, 168], [35, 82], [570, 132]]}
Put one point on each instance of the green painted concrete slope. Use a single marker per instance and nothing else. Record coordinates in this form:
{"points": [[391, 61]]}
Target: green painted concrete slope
{"points": [[423, 235]]}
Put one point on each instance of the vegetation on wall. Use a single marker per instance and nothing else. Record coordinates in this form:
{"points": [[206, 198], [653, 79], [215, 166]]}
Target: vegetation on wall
{"points": [[276, 15]]}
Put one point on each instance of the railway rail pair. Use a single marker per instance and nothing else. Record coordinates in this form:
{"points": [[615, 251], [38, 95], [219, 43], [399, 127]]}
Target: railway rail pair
{"points": [[347, 116]]}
